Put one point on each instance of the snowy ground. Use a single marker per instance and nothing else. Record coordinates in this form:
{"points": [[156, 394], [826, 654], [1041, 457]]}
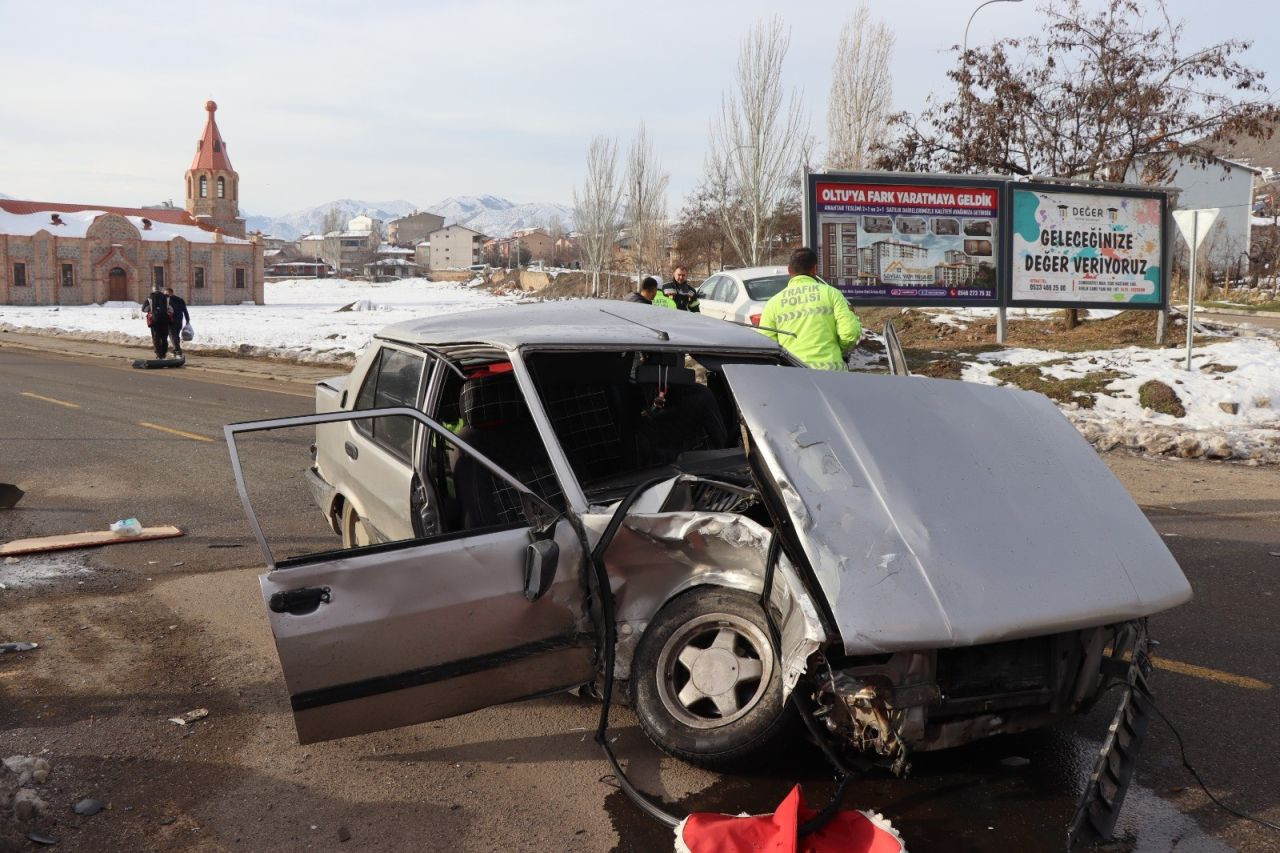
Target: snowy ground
{"points": [[301, 320], [1231, 394]]}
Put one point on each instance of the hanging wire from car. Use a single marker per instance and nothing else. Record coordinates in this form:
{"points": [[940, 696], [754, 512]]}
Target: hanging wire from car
{"points": [[1182, 750], [607, 615]]}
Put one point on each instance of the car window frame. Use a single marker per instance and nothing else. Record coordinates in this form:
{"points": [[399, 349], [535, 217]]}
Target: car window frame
{"points": [[747, 282], [540, 516], [425, 371], [711, 285], [723, 288]]}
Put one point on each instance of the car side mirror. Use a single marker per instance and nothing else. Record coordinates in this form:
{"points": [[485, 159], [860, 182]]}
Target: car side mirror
{"points": [[541, 558]]}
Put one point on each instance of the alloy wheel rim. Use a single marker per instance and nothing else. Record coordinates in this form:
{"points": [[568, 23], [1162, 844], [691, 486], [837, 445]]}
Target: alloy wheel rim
{"points": [[714, 670]]}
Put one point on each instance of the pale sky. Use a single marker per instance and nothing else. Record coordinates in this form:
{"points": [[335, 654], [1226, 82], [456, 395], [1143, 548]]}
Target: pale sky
{"points": [[103, 102]]}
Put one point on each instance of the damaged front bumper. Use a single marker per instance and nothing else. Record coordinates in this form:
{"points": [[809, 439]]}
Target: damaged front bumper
{"points": [[894, 704]]}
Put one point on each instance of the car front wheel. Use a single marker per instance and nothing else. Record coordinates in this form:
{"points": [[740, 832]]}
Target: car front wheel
{"points": [[705, 683]]}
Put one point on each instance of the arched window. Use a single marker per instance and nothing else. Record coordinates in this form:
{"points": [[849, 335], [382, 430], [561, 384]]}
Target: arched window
{"points": [[188, 186], [204, 187], [222, 187]]}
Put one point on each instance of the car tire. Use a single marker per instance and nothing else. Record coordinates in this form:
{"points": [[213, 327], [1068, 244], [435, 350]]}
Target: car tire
{"points": [[705, 684], [354, 534]]}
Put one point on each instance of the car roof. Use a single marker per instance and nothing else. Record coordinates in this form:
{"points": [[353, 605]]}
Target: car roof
{"points": [[755, 272], [579, 322]]}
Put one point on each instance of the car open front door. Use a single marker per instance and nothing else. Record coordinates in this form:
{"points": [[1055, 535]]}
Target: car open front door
{"points": [[390, 635]]}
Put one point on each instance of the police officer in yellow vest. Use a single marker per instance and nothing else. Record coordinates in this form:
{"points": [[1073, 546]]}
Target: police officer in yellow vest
{"points": [[822, 325]]}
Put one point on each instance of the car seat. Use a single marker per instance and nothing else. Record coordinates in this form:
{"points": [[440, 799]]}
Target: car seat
{"points": [[499, 426]]}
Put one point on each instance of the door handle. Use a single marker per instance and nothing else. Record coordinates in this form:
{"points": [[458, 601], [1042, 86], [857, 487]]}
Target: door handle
{"points": [[299, 602], [351, 449]]}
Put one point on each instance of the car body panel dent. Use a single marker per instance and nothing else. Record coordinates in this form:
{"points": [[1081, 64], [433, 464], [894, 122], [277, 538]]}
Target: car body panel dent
{"points": [[939, 514], [658, 556]]}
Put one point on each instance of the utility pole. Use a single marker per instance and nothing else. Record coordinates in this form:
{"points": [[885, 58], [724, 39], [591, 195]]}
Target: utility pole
{"points": [[1001, 319]]}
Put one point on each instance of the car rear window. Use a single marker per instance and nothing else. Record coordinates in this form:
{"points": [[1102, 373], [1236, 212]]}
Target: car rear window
{"points": [[760, 289]]}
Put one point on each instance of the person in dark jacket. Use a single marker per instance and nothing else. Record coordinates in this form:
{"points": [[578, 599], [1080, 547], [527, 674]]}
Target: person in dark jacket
{"points": [[159, 318], [680, 291], [180, 319], [648, 289]]}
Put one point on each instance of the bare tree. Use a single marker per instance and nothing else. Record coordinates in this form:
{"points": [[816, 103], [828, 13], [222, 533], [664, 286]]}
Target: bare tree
{"points": [[555, 230], [1088, 96], [646, 202], [861, 91], [754, 143], [597, 208], [332, 220]]}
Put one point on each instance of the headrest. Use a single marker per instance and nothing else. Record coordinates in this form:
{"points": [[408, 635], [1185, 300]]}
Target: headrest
{"points": [[490, 401]]}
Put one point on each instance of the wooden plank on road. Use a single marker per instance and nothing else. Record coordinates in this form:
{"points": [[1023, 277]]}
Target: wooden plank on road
{"points": [[88, 539]]}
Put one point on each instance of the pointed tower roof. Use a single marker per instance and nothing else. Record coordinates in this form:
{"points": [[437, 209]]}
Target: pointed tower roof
{"points": [[211, 151]]}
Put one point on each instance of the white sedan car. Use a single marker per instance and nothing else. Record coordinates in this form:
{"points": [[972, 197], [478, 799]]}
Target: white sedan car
{"points": [[740, 295]]}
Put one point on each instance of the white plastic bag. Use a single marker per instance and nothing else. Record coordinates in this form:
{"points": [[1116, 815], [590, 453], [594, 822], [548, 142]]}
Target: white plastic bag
{"points": [[126, 527], [188, 332]]}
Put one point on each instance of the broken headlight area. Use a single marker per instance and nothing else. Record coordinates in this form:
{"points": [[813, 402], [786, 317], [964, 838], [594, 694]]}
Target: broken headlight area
{"points": [[893, 704]]}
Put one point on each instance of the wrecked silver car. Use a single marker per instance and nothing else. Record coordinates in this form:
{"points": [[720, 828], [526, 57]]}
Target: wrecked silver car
{"points": [[942, 561]]}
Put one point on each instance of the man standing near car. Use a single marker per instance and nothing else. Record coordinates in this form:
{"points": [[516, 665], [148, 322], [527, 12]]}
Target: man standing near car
{"points": [[156, 310], [821, 324], [680, 291], [181, 317]]}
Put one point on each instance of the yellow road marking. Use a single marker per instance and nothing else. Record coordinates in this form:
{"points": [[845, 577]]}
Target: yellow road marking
{"points": [[51, 400], [1211, 674], [190, 435]]}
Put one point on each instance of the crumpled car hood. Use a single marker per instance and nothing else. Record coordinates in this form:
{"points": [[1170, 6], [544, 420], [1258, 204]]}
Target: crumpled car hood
{"points": [[937, 513]]}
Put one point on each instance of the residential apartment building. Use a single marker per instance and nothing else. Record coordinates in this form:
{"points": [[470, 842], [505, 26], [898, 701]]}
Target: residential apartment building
{"points": [[411, 230], [455, 247], [349, 250]]}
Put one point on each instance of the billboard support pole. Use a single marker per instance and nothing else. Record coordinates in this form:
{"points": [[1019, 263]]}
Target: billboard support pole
{"points": [[1001, 324], [1162, 322], [1191, 285]]}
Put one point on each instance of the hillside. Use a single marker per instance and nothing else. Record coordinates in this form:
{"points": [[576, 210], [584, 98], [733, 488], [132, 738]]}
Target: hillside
{"points": [[498, 217], [491, 215], [1262, 153], [293, 225]]}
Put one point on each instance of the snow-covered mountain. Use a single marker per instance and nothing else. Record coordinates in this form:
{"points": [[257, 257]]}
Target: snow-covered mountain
{"points": [[488, 214], [498, 217], [293, 225]]}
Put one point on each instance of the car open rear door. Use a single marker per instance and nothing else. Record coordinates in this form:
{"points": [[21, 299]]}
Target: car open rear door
{"points": [[390, 635]]}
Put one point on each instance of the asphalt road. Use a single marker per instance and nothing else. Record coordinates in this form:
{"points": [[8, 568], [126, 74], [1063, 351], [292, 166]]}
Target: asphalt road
{"points": [[134, 633]]}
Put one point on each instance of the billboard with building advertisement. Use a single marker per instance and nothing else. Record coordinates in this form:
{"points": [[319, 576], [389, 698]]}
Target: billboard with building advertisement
{"points": [[906, 240], [1081, 247]]}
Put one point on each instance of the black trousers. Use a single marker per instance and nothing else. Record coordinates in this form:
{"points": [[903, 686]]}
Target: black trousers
{"points": [[175, 335], [160, 339]]}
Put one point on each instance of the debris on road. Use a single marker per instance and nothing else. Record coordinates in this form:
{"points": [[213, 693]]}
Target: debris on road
{"points": [[17, 647], [89, 539], [190, 716], [28, 768], [126, 527], [344, 834], [88, 807], [40, 838], [27, 805], [849, 831], [10, 495]]}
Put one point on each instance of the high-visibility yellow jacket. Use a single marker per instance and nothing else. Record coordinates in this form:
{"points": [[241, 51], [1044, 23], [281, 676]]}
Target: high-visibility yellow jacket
{"points": [[819, 316], [661, 300]]}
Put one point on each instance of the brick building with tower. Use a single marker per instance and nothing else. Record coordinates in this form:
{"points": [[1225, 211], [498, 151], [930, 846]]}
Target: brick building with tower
{"points": [[56, 253]]}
